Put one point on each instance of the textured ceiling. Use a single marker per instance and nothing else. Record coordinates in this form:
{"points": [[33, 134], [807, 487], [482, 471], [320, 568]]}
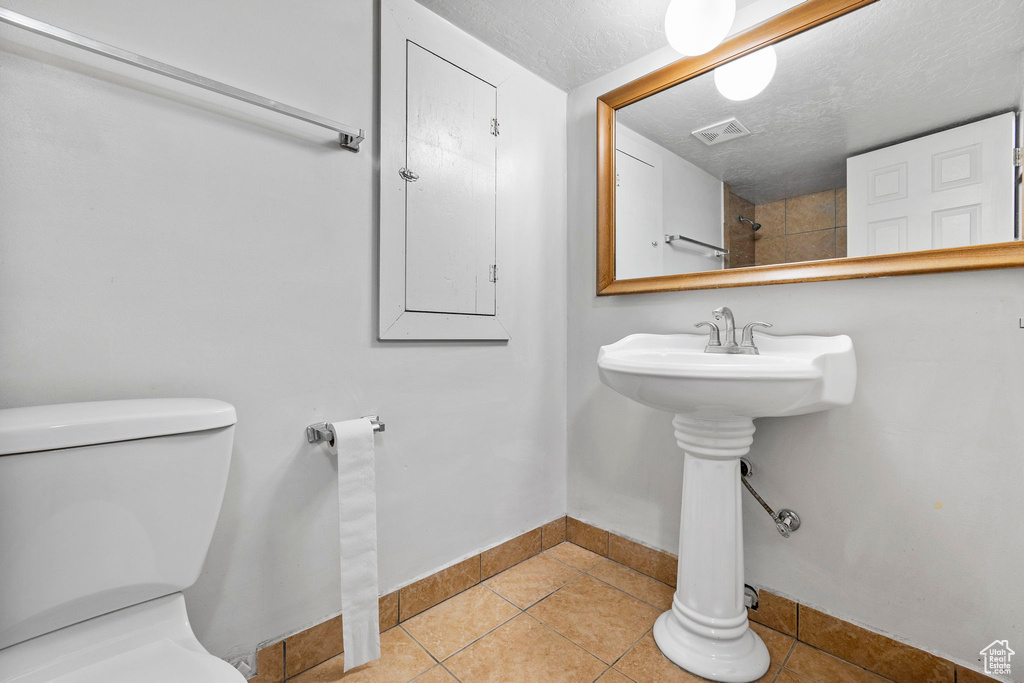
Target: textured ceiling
{"points": [[894, 70], [566, 42]]}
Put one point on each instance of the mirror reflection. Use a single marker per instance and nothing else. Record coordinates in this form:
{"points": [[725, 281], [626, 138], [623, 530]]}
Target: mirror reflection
{"points": [[800, 153]]}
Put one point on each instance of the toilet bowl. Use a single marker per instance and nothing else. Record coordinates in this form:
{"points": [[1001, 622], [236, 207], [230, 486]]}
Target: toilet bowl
{"points": [[106, 513]]}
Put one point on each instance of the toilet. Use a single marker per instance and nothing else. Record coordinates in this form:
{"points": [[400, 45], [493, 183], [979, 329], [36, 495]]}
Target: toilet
{"points": [[106, 513]]}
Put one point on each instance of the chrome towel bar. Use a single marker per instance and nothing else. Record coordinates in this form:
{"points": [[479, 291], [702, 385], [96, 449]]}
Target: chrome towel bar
{"points": [[320, 432], [349, 137], [719, 251]]}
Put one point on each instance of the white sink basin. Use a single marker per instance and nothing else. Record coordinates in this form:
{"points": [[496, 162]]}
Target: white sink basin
{"points": [[716, 397], [791, 376]]}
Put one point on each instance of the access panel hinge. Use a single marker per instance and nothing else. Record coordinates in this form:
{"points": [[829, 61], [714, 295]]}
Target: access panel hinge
{"points": [[495, 128], [1018, 157], [494, 273]]}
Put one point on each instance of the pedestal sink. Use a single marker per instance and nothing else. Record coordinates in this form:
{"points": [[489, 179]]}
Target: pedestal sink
{"points": [[716, 397]]}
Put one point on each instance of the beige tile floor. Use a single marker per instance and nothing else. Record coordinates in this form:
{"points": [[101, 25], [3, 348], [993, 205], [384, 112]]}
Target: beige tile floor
{"points": [[566, 615]]}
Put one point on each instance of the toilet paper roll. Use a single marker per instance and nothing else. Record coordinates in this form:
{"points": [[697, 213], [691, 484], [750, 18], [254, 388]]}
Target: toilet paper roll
{"points": [[357, 513]]}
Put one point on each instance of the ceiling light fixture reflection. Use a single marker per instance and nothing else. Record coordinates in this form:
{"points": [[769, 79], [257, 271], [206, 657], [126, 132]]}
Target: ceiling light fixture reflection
{"points": [[694, 27], [747, 76]]}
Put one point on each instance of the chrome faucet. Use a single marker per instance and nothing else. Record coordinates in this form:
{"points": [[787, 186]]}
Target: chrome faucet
{"points": [[716, 345], [730, 326]]}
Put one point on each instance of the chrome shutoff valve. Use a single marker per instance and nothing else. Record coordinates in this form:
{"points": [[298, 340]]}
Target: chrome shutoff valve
{"points": [[787, 521]]}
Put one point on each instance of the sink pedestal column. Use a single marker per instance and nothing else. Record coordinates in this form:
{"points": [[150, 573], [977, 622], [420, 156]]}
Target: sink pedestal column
{"points": [[706, 631]]}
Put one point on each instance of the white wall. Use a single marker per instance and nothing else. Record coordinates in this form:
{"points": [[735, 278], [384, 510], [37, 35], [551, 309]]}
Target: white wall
{"points": [[159, 241], [691, 205], [911, 498]]}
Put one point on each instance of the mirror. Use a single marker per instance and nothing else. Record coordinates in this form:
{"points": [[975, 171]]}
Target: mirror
{"points": [[883, 143]]}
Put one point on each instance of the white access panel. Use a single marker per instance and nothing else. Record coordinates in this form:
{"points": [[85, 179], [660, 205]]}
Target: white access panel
{"points": [[450, 208], [439, 289], [949, 189], [638, 216]]}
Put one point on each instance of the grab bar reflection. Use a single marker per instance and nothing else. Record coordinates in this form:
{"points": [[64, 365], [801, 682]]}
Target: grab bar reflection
{"points": [[719, 251]]}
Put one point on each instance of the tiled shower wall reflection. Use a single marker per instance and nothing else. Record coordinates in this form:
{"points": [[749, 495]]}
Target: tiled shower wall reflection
{"points": [[807, 228], [739, 238]]}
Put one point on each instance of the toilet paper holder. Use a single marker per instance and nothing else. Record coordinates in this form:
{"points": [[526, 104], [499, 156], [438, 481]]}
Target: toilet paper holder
{"points": [[320, 432]]}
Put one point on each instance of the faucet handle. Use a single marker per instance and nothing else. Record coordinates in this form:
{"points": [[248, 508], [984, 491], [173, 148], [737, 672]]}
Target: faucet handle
{"points": [[713, 338], [748, 333]]}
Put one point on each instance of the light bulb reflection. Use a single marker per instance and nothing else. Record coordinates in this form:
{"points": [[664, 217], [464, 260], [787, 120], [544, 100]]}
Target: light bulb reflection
{"points": [[747, 76]]}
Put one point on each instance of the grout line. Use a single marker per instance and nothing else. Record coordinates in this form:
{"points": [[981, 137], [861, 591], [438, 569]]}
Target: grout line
{"points": [[504, 598], [566, 564], [598, 578], [628, 678], [401, 621], [450, 673], [482, 579], [552, 522], [520, 611], [438, 604], [480, 572], [844, 661], [476, 640], [804, 232], [420, 674], [572, 642], [540, 600], [424, 673], [630, 649], [564, 585], [582, 647], [429, 653], [792, 648], [624, 592], [638, 571], [582, 571]]}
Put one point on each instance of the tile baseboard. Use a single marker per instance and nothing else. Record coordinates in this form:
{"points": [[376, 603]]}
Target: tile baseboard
{"points": [[286, 657], [872, 651]]}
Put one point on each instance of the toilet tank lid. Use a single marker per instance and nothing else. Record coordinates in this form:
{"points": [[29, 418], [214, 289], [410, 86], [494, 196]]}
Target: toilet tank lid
{"points": [[67, 425]]}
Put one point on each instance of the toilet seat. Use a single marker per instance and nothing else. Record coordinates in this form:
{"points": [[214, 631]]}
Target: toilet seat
{"points": [[151, 642]]}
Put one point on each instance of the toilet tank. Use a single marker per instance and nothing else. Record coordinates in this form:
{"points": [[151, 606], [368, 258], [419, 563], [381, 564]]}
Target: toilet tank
{"points": [[104, 505]]}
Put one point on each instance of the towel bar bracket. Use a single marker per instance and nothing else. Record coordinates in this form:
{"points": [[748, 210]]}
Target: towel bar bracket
{"points": [[350, 142]]}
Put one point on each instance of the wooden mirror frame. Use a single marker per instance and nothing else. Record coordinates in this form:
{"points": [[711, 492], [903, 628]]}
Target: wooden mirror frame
{"points": [[801, 18]]}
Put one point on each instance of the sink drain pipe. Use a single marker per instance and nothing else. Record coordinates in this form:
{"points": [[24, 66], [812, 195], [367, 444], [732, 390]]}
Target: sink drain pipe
{"points": [[786, 520]]}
